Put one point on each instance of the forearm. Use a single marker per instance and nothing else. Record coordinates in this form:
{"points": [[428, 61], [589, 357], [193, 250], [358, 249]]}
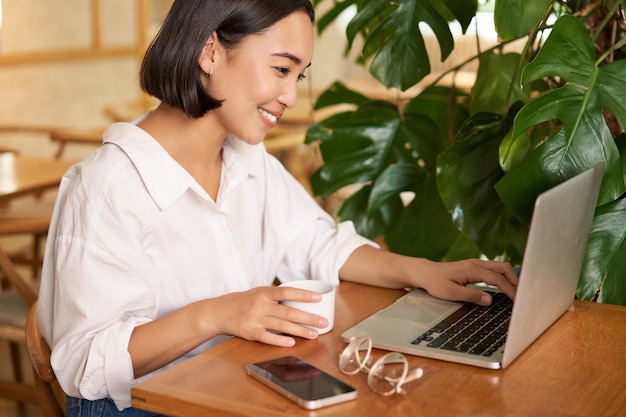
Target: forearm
{"points": [[157, 343], [381, 268], [447, 280], [256, 314]]}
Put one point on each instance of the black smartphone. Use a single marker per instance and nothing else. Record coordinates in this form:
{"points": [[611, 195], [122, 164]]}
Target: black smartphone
{"points": [[302, 383]]}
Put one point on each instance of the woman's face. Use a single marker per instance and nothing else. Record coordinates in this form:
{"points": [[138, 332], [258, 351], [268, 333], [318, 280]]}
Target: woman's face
{"points": [[258, 80]]}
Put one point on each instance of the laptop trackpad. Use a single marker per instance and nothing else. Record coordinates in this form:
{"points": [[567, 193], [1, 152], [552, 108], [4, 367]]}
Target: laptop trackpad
{"points": [[420, 308]]}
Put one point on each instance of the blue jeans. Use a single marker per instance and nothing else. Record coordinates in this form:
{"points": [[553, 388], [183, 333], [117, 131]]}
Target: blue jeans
{"points": [[77, 407]]}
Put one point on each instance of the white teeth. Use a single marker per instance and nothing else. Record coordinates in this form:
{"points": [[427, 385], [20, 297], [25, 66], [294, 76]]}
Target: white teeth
{"points": [[268, 116]]}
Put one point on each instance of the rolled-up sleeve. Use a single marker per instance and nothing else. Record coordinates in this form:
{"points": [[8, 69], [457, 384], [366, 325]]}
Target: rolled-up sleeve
{"points": [[305, 239], [320, 251], [90, 356], [96, 287]]}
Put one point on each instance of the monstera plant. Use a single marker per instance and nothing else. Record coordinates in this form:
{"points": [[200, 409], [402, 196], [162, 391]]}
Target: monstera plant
{"points": [[448, 174]]}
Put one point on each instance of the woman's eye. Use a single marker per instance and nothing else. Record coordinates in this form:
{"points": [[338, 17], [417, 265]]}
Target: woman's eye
{"points": [[286, 71]]}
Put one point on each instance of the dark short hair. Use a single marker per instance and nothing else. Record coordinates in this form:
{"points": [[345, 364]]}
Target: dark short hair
{"points": [[170, 70]]}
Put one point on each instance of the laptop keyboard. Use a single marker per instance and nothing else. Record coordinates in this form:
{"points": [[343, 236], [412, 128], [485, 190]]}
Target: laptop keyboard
{"points": [[473, 329]]}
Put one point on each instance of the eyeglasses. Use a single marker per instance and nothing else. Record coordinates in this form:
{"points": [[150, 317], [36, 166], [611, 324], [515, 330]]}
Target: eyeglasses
{"points": [[388, 374]]}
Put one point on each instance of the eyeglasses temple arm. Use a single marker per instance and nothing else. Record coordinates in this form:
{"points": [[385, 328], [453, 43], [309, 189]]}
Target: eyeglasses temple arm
{"points": [[414, 374]]}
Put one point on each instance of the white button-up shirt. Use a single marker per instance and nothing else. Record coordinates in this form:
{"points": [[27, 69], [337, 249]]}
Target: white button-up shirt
{"points": [[133, 237]]}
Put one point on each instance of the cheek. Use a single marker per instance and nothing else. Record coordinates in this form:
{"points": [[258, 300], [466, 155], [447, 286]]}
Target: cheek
{"points": [[255, 88]]}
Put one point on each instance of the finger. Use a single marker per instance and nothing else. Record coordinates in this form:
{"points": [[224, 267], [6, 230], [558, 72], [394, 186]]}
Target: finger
{"points": [[285, 327], [505, 269], [295, 294], [293, 315], [275, 339], [278, 332], [472, 295], [498, 274], [500, 281]]}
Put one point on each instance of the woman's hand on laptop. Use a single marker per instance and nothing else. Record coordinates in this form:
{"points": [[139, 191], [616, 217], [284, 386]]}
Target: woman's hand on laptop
{"points": [[445, 280], [449, 280]]}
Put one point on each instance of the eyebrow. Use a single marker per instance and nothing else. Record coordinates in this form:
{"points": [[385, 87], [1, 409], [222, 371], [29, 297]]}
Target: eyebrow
{"points": [[291, 57]]}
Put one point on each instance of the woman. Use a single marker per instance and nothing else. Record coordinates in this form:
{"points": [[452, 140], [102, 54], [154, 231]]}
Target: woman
{"points": [[167, 239]]}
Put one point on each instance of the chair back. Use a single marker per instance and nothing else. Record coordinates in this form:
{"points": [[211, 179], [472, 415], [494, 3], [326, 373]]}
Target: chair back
{"points": [[51, 397], [16, 297], [9, 273]]}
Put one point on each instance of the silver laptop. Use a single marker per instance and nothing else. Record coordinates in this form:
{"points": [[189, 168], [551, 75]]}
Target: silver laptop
{"points": [[422, 325]]}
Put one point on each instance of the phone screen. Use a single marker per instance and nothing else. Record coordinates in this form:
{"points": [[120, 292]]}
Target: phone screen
{"points": [[301, 382]]}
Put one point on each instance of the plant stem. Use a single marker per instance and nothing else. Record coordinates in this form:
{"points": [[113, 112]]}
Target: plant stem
{"points": [[609, 51], [606, 20]]}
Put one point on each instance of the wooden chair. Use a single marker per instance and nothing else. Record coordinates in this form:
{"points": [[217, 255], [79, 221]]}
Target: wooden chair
{"points": [[36, 227], [51, 397], [21, 221], [14, 304], [64, 137], [17, 294], [61, 136]]}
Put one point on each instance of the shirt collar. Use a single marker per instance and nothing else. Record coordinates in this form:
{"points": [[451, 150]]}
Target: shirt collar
{"points": [[165, 179]]}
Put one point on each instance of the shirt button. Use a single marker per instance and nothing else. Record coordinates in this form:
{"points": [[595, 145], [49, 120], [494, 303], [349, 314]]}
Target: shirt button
{"points": [[229, 252]]}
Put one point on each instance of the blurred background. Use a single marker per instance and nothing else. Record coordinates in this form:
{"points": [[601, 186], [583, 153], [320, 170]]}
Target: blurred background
{"points": [[74, 64]]}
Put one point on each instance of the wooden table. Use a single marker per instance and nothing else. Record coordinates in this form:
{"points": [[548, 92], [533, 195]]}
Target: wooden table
{"points": [[575, 369], [23, 175]]}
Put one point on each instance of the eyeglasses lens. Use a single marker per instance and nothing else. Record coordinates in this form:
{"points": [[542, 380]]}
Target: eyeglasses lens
{"points": [[388, 374], [356, 356]]}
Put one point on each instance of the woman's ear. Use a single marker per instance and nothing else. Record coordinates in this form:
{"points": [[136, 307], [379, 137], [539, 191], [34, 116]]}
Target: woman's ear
{"points": [[210, 55]]}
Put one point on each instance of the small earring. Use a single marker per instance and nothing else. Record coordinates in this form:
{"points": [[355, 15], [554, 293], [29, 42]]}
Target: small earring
{"points": [[209, 74]]}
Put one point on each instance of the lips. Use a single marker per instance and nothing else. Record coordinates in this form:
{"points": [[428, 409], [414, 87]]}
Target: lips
{"points": [[268, 116]]}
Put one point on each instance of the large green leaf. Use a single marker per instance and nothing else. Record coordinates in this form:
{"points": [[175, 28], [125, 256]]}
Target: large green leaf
{"points": [[569, 53], [424, 229], [602, 276], [467, 172], [462, 248], [423, 139], [515, 18], [357, 146], [369, 225], [354, 145], [443, 106], [394, 38], [584, 139], [393, 180], [496, 86], [463, 10], [338, 93], [324, 21], [579, 145]]}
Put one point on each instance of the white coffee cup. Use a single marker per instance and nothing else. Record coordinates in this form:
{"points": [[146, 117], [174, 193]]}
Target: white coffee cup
{"points": [[325, 307]]}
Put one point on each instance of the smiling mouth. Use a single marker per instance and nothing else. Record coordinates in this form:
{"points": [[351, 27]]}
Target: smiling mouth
{"points": [[269, 116]]}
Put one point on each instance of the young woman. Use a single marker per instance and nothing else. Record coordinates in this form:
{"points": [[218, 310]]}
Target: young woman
{"points": [[167, 239]]}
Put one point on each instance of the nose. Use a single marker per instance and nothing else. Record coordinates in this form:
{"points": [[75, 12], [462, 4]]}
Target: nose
{"points": [[289, 97]]}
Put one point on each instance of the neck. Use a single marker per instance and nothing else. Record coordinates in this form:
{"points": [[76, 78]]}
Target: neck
{"points": [[196, 144]]}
